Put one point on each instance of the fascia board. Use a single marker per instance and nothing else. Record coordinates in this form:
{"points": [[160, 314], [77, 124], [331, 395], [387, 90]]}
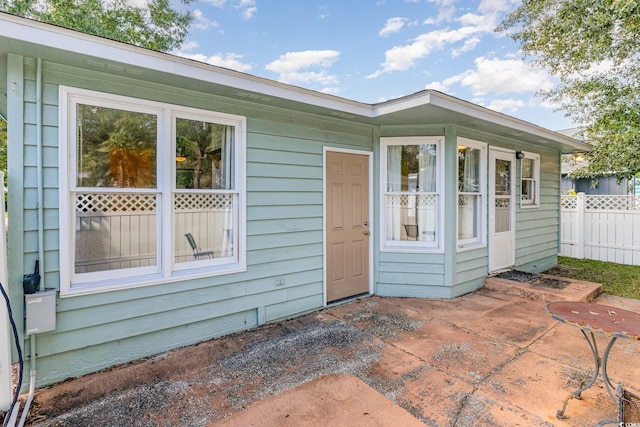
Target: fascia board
{"points": [[450, 103]]}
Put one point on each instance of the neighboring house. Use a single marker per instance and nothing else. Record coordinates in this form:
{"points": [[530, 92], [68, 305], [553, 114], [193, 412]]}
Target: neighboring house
{"points": [[298, 199], [599, 185]]}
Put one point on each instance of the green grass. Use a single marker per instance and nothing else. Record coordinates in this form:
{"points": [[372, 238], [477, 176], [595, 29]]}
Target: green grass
{"points": [[616, 279]]}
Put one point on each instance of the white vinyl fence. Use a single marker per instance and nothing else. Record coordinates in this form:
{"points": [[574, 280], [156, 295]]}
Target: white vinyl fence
{"points": [[603, 228]]}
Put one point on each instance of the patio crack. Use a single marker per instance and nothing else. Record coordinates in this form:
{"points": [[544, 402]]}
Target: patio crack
{"points": [[461, 407]]}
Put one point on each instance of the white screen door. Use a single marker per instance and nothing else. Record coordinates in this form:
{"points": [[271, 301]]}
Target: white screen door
{"points": [[502, 214]]}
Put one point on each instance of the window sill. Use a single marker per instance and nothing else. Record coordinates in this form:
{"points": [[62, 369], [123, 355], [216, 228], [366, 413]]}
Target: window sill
{"points": [[90, 288], [411, 249], [471, 246], [531, 206]]}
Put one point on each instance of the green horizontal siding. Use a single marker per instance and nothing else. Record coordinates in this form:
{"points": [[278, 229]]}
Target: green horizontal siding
{"points": [[284, 226], [285, 260], [537, 229], [93, 358]]}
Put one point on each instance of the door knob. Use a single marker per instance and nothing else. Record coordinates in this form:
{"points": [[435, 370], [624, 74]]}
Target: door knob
{"points": [[366, 233]]}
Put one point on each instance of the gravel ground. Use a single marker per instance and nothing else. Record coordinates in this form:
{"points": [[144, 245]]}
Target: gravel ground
{"points": [[271, 359]]}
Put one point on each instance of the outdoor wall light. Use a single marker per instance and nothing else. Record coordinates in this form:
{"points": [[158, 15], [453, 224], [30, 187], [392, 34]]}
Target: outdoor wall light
{"points": [[519, 155]]}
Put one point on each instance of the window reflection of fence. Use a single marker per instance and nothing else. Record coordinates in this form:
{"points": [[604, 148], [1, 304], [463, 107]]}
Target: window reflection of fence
{"points": [[467, 216], [209, 218], [118, 231], [410, 209], [114, 231]]}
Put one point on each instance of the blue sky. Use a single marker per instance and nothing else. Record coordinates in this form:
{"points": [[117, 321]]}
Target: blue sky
{"points": [[376, 50]]}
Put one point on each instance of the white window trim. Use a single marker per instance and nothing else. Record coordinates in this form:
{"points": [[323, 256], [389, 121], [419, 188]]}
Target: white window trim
{"points": [[481, 240], [164, 271], [536, 177], [412, 246]]}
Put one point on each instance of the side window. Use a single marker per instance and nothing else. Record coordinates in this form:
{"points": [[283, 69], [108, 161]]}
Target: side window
{"points": [[205, 195], [472, 160], [147, 191], [530, 180], [115, 196], [411, 192]]}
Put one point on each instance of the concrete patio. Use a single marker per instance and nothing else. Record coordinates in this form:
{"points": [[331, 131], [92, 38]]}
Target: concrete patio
{"points": [[490, 358]]}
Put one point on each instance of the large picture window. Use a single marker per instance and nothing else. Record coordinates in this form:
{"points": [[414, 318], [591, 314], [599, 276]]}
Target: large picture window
{"points": [[149, 192], [472, 158], [411, 181]]}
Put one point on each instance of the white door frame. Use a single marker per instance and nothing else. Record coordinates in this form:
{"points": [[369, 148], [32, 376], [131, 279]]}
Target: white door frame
{"points": [[502, 245], [369, 154]]}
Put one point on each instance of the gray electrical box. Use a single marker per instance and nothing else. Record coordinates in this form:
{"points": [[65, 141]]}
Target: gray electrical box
{"points": [[41, 311]]}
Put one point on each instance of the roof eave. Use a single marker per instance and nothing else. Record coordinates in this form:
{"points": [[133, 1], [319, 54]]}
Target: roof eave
{"points": [[62, 39]]}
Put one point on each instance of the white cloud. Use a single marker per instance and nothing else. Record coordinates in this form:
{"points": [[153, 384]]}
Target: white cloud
{"points": [[306, 67], [228, 60], [463, 35], [492, 6], [439, 86], [330, 90], [441, 3], [485, 23], [509, 105], [393, 25], [186, 47], [400, 58], [493, 75], [323, 12], [444, 85], [200, 22], [446, 14], [466, 47], [293, 61], [471, 28], [247, 7], [217, 3]]}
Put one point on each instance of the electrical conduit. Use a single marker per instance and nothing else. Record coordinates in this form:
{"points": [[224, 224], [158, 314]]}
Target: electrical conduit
{"points": [[39, 143]]}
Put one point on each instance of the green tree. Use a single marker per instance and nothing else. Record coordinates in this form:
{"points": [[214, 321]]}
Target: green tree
{"points": [[592, 47], [157, 26]]}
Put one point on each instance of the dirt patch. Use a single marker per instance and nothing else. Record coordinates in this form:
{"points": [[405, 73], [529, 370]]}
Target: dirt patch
{"points": [[518, 276], [562, 271], [548, 282], [534, 279]]}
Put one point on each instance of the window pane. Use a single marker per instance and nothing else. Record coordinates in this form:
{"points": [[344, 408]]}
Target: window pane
{"points": [[503, 214], [204, 155], [527, 168], [115, 148], [528, 190], [204, 226], [468, 169], [503, 177], [411, 217], [411, 168], [468, 206], [114, 231]]}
